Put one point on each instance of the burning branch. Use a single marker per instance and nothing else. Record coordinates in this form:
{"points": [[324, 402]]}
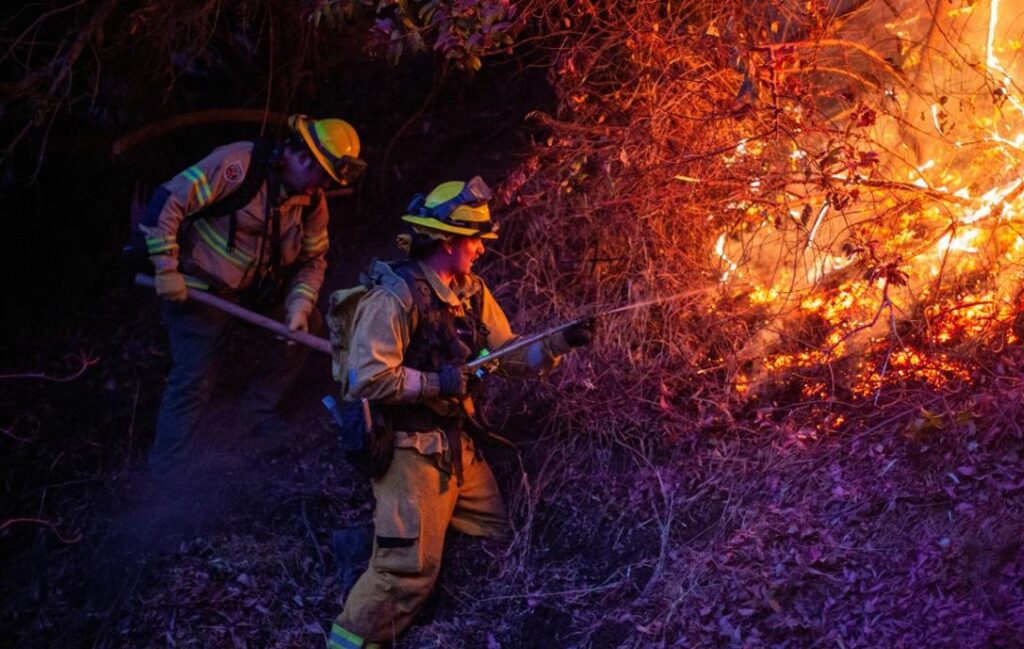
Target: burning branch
{"points": [[776, 49], [667, 161]]}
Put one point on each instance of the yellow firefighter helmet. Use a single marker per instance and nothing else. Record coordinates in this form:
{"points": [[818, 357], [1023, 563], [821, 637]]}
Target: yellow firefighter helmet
{"points": [[454, 207], [334, 144]]}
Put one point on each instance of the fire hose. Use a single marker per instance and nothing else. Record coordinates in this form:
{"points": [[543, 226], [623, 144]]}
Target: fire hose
{"points": [[526, 341], [356, 422], [479, 366], [324, 345]]}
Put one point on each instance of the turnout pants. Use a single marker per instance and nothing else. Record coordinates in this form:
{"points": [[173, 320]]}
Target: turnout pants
{"points": [[198, 335], [416, 501]]}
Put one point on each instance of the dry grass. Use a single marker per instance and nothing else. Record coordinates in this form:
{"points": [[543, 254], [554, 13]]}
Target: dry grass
{"points": [[699, 482]]}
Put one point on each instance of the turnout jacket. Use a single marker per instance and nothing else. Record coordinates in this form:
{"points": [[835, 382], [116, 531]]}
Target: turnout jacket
{"points": [[384, 327], [200, 248]]}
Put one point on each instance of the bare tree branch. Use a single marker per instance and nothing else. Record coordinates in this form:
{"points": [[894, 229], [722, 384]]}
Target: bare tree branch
{"points": [[41, 521], [85, 362]]}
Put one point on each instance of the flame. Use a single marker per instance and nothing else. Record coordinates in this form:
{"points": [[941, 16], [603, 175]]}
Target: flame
{"points": [[931, 279], [991, 61], [763, 295], [958, 243], [731, 266]]}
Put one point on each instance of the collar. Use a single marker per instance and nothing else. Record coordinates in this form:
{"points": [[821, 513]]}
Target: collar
{"points": [[301, 200], [451, 295]]}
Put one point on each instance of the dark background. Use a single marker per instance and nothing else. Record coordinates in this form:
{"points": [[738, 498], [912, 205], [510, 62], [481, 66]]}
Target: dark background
{"points": [[82, 528]]}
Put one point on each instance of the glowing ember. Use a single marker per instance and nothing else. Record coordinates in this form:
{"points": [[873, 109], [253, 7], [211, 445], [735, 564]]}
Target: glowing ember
{"points": [[899, 244]]}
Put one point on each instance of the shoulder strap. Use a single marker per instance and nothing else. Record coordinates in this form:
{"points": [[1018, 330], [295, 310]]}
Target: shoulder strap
{"points": [[381, 273], [273, 212], [263, 152], [414, 279], [477, 303], [432, 322]]}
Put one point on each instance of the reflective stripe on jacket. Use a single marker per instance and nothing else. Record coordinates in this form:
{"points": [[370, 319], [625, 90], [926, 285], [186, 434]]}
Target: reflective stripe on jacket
{"points": [[382, 332], [200, 247]]}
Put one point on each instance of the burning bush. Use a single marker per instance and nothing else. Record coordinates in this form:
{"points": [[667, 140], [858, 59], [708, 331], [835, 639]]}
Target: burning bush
{"points": [[842, 182], [830, 192]]}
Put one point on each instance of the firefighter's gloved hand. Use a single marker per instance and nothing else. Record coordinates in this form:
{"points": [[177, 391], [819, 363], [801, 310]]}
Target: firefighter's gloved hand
{"points": [[454, 380], [170, 285], [581, 333], [297, 320]]}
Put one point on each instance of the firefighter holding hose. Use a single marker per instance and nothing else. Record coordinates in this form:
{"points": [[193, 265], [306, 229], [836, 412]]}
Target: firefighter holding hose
{"points": [[423, 318]]}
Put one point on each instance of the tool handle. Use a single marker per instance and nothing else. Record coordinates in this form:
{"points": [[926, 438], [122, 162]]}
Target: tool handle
{"points": [[279, 328]]}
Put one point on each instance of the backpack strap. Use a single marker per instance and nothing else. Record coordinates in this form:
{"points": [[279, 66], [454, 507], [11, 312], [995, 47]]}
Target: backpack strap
{"points": [[265, 156], [273, 215], [428, 319], [381, 273]]}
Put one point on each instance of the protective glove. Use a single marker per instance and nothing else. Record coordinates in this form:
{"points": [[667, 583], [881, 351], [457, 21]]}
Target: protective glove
{"points": [[170, 285], [579, 334], [453, 380]]}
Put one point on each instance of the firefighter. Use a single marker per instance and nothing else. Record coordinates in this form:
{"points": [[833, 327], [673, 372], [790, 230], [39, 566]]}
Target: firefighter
{"points": [[247, 223], [412, 335]]}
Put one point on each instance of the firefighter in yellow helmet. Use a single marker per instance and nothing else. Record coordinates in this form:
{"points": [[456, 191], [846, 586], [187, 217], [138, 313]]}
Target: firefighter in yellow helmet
{"points": [[249, 223], [412, 335]]}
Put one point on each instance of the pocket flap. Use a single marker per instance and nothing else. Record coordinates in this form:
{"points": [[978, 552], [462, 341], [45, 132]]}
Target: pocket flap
{"points": [[397, 518], [398, 548]]}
